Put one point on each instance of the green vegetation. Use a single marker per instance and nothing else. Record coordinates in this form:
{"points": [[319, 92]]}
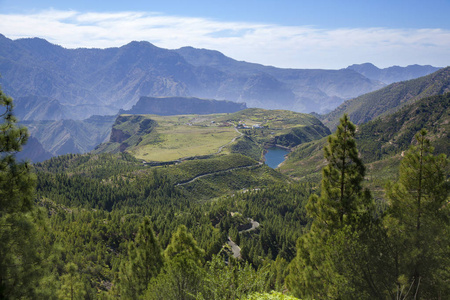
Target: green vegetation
{"points": [[418, 224], [390, 99], [353, 252], [20, 248], [381, 142], [225, 226], [331, 258], [170, 138]]}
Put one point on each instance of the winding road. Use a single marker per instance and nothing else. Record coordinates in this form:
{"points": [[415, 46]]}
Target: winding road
{"points": [[235, 247], [232, 141], [217, 172], [221, 171]]}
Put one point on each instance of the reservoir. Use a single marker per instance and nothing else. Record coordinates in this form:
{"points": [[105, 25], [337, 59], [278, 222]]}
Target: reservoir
{"points": [[275, 156]]}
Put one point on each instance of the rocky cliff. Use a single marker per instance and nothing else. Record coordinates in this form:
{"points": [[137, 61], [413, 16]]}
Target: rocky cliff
{"points": [[167, 106]]}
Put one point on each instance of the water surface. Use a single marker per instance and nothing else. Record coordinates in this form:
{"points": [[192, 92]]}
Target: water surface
{"points": [[275, 156]]}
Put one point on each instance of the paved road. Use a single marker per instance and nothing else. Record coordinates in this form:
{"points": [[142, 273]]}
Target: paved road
{"points": [[232, 141], [218, 172], [254, 226], [235, 247]]}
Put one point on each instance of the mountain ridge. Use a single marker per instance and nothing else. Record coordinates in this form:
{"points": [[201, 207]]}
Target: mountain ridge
{"points": [[389, 99], [394, 73]]}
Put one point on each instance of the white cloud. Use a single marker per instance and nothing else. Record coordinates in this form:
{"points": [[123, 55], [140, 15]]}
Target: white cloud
{"points": [[271, 44]]}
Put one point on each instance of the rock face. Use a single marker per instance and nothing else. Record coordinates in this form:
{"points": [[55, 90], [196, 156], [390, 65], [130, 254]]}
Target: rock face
{"points": [[118, 136], [167, 106]]}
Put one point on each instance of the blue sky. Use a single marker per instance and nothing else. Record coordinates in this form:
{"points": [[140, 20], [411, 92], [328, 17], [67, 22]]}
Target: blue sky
{"points": [[327, 34]]}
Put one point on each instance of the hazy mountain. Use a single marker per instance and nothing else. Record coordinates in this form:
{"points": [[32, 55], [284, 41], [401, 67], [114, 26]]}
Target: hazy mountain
{"points": [[307, 90], [33, 151], [70, 136], [389, 99], [394, 73], [166, 106], [102, 81], [38, 108]]}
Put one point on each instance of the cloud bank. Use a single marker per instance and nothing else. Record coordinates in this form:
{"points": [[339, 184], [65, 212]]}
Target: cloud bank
{"points": [[269, 44]]}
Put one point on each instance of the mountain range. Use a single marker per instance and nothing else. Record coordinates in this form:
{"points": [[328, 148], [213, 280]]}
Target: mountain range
{"points": [[57, 90], [394, 73], [57, 83]]}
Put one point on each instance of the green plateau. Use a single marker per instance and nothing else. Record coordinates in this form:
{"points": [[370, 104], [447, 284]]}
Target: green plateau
{"points": [[170, 138]]}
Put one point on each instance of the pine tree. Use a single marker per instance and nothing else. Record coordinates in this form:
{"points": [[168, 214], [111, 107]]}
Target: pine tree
{"points": [[145, 262], [333, 258], [418, 223], [71, 284], [342, 200], [19, 257], [182, 274]]}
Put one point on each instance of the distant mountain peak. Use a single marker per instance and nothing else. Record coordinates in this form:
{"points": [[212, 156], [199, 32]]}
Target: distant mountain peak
{"points": [[363, 65], [394, 73], [139, 44]]}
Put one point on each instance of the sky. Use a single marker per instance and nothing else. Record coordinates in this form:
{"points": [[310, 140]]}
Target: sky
{"points": [[322, 34]]}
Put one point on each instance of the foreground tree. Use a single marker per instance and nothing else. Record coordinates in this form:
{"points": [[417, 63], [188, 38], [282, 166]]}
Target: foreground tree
{"points": [[19, 256], [335, 259], [418, 223], [145, 262], [183, 274]]}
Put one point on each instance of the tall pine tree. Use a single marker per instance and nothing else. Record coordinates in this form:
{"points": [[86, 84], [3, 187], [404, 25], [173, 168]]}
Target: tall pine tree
{"points": [[19, 257], [418, 222], [182, 276], [332, 260], [145, 262]]}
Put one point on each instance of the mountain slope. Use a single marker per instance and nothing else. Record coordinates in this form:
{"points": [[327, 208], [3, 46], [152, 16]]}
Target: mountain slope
{"points": [[395, 133], [389, 99], [313, 90], [70, 136], [33, 151], [381, 141]]}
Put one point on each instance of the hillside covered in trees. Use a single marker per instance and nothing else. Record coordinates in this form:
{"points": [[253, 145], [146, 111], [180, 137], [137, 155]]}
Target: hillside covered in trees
{"points": [[106, 225]]}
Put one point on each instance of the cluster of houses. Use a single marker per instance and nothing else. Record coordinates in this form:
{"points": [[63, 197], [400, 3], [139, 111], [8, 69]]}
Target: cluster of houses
{"points": [[244, 126]]}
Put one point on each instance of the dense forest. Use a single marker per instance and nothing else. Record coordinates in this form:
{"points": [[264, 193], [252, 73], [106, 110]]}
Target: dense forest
{"points": [[107, 226]]}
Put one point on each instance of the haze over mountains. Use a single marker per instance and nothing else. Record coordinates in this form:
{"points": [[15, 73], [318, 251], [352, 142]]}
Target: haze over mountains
{"points": [[56, 90], [58, 83], [394, 73]]}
